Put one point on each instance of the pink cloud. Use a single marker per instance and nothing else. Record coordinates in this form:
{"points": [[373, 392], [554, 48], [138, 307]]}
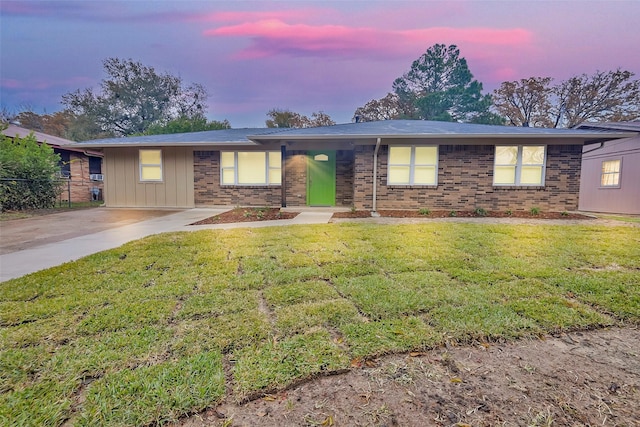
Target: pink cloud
{"points": [[273, 37], [242, 16], [11, 84]]}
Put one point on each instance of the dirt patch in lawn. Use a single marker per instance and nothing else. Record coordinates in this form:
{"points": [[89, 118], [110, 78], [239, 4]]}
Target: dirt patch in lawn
{"points": [[398, 213], [247, 215], [579, 378]]}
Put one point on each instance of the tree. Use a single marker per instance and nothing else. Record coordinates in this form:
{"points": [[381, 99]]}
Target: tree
{"points": [[184, 124], [134, 97], [27, 173], [387, 108], [30, 120], [320, 118], [288, 119], [525, 102], [440, 86], [64, 124], [604, 96]]}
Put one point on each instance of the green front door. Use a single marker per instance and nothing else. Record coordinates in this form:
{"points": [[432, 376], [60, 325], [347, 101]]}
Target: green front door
{"points": [[321, 178]]}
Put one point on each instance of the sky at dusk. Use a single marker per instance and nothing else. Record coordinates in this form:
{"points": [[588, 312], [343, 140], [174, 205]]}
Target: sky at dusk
{"points": [[305, 56]]}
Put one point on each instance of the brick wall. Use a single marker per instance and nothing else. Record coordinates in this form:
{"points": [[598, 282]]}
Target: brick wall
{"points": [[79, 184], [344, 177], [296, 178], [208, 191], [465, 182]]}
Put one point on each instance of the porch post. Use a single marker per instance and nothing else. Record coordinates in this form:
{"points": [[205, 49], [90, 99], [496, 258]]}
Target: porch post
{"points": [[283, 175]]}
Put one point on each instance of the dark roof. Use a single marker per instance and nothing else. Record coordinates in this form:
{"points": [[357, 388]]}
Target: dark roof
{"points": [[420, 129], [209, 137], [618, 126], [396, 129]]}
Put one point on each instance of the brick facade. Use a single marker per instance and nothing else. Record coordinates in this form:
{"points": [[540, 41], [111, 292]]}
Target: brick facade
{"points": [[465, 182], [344, 177], [79, 186], [296, 179], [208, 190]]}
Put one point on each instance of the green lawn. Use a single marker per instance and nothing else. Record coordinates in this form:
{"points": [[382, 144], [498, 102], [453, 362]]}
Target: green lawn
{"points": [[623, 218], [170, 324]]}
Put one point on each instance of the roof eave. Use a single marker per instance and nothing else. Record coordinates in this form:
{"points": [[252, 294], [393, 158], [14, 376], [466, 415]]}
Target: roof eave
{"points": [[585, 137], [165, 144]]}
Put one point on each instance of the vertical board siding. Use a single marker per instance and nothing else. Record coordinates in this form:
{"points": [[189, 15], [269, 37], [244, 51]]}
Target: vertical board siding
{"points": [[124, 189]]}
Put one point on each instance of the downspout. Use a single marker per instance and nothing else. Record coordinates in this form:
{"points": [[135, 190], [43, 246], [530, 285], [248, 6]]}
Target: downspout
{"points": [[283, 176], [375, 178]]}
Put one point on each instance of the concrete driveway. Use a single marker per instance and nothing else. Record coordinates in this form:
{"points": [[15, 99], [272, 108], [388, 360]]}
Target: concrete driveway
{"points": [[32, 244], [21, 234]]}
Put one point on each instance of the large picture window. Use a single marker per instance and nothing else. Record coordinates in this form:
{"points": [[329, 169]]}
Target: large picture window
{"points": [[610, 174], [413, 165], [150, 165], [250, 167], [519, 165]]}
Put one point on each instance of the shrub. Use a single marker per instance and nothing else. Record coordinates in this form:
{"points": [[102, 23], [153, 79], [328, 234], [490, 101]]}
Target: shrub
{"points": [[27, 174], [453, 213], [564, 213], [480, 212], [509, 212], [535, 210], [424, 211]]}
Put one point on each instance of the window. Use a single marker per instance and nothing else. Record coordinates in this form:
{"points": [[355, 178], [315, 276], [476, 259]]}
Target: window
{"points": [[150, 165], [519, 165], [250, 167], [413, 166], [95, 165], [610, 174], [65, 164]]}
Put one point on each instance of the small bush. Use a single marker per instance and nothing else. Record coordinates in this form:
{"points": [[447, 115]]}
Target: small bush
{"points": [[535, 210], [453, 213], [509, 212], [480, 212], [424, 211], [564, 213]]}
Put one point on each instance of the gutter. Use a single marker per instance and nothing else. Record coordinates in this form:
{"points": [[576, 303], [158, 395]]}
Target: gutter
{"points": [[594, 149], [375, 178]]}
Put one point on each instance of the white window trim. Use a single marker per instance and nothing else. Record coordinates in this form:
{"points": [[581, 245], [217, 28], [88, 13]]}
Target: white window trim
{"points": [[412, 166], [142, 165], [619, 173], [518, 166], [235, 183]]}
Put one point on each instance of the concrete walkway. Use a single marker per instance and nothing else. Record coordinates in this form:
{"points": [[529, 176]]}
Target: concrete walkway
{"points": [[19, 263]]}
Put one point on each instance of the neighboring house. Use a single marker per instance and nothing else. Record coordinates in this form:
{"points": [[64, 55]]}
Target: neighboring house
{"points": [[611, 171], [396, 164], [81, 168]]}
